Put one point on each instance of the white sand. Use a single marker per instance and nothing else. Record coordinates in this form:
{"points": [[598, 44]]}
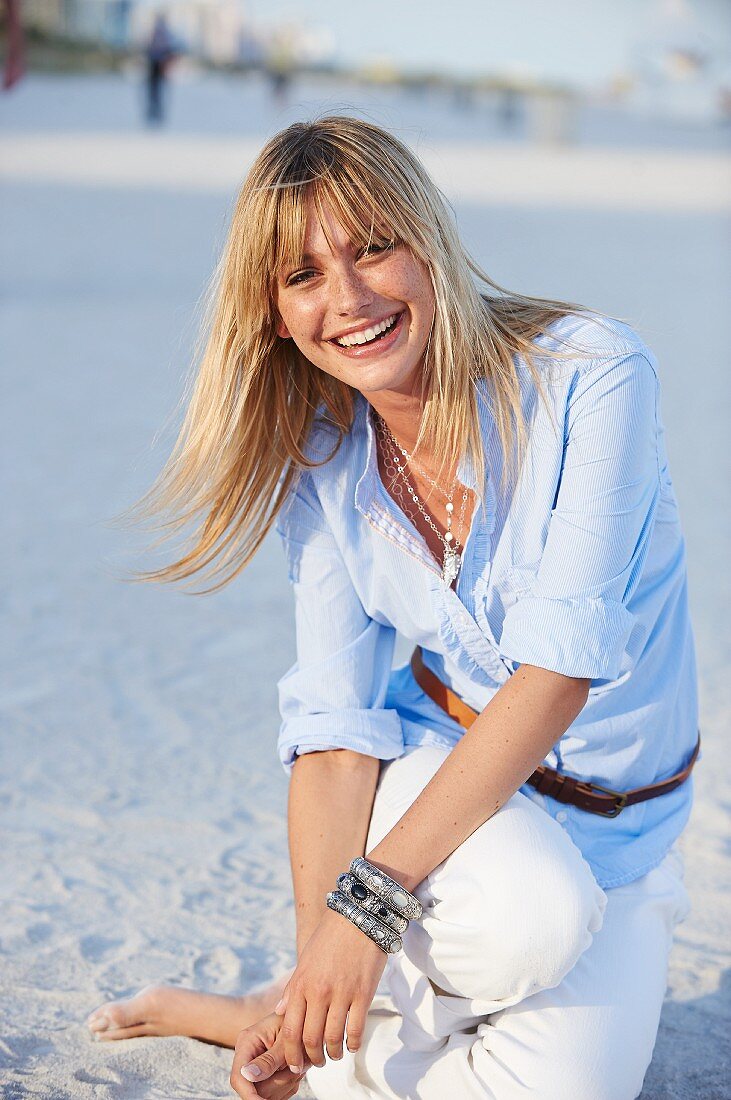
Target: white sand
{"points": [[142, 804]]}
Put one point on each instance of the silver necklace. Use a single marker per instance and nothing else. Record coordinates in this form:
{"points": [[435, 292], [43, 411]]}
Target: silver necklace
{"points": [[452, 561]]}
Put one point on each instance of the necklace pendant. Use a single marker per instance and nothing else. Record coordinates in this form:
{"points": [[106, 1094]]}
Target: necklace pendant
{"points": [[450, 565]]}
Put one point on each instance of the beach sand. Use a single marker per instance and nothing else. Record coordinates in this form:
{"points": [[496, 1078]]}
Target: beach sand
{"points": [[142, 804]]}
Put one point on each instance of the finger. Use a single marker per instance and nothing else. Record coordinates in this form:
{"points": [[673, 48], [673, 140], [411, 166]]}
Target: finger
{"points": [[281, 1006], [250, 1047], [241, 1086], [335, 1030], [356, 1025], [281, 1085], [313, 1030], [291, 1032], [262, 1066]]}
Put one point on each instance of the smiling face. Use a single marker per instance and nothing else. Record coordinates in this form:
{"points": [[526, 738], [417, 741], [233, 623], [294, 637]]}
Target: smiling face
{"points": [[361, 314]]}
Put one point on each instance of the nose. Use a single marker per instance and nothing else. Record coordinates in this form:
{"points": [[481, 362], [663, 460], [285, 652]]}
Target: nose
{"points": [[351, 295]]}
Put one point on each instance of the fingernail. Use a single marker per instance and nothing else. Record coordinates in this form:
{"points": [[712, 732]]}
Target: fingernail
{"points": [[100, 1023], [296, 1069], [250, 1072], [280, 1007]]}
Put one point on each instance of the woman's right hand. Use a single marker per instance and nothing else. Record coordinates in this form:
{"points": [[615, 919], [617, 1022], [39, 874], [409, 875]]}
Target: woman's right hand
{"points": [[262, 1041]]}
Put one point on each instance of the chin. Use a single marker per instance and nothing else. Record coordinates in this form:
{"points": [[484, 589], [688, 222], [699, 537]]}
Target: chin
{"points": [[405, 384], [376, 377]]}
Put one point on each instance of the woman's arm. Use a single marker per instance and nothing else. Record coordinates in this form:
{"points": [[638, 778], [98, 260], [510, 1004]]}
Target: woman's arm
{"points": [[339, 967], [330, 802], [505, 744]]}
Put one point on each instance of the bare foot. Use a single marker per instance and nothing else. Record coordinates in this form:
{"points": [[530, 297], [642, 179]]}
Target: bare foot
{"points": [[167, 1010]]}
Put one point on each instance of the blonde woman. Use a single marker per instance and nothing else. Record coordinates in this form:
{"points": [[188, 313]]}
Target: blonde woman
{"points": [[483, 473]]}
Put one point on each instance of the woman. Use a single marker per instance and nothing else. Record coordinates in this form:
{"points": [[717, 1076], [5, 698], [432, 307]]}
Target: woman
{"points": [[484, 473]]}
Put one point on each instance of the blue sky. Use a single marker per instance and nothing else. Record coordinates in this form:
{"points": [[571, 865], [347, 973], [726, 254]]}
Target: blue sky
{"points": [[582, 41]]}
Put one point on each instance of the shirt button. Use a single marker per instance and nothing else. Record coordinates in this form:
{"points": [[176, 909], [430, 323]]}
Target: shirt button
{"points": [[562, 816]]}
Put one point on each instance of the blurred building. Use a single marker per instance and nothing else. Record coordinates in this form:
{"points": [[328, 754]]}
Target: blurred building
{"points": [[220, 32]]}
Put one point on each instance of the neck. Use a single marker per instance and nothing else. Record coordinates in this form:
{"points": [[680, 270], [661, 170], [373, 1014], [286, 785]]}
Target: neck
{"points": [[403, 415]]}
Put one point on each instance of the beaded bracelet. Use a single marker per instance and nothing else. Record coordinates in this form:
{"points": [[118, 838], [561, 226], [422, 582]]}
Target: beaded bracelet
{"points": [[383, 937], [386, 888], [362, 896]]}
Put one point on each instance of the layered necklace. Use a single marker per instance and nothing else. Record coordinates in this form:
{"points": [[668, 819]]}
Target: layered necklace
{"points": [[395, 469]]}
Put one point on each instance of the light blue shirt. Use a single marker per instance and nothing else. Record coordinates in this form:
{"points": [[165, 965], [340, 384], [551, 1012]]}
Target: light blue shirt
{"points": [[579, 569]]}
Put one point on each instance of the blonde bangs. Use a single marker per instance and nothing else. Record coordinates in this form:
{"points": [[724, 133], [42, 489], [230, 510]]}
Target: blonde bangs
{"points": [[358, 201]]}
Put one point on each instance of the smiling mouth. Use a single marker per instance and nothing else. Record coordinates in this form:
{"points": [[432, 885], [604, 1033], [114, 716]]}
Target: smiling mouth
{"points": [[368, 335]]}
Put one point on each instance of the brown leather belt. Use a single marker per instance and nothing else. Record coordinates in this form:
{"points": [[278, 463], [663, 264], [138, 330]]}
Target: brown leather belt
{"points": [[583, 793]]}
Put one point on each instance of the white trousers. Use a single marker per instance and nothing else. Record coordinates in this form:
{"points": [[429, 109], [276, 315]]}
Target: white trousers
{"points": [[523, 978]]}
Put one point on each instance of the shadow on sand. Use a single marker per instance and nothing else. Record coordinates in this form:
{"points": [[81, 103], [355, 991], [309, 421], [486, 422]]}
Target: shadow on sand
{"points": [[679, 1071]]}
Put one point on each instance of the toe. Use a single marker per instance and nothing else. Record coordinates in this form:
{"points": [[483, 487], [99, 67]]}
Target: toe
{"points": [[123, 1033], [116, 1015], [117, 1020], [98, 1021]]}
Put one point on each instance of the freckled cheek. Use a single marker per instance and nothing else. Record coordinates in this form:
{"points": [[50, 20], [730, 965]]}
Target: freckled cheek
{"points": [[403, 283], [305, 324]]}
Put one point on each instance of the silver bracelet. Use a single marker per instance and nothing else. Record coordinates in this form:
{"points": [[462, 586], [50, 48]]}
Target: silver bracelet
{"points": [[383, 937], [386, 888], [353, 888]]}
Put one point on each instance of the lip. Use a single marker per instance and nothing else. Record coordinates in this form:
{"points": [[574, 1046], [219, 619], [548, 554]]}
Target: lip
{"points": [[365, 326], [360, 351]]}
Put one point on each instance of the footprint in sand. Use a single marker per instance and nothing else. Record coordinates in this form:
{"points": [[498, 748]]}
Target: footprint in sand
{"points": [[218, 968], [95, 948]]}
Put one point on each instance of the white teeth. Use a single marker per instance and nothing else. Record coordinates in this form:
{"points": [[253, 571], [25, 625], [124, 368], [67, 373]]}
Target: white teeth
{"points": [[366, 335]]}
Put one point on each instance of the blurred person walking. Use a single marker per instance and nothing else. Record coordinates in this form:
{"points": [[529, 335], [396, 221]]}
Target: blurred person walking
{"points": [[161, 51], [280, 64]]}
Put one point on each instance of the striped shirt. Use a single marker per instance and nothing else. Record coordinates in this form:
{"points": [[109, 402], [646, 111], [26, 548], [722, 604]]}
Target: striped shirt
{"points": [[580, 568]]}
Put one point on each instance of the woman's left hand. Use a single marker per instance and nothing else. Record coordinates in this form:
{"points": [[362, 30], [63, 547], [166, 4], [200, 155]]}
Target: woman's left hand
{"points": [[260, 1044], [336, 977]]}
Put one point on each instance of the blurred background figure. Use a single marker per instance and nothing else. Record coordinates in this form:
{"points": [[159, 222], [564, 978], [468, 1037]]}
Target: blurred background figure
{"points": [[162, 50], [280, 63], [14, 66], [510, 107]]}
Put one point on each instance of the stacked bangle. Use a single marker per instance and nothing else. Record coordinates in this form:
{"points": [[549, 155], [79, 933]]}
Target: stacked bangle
{"points": [[388, 941], [353, 888], [374, 902], [386, 888]]}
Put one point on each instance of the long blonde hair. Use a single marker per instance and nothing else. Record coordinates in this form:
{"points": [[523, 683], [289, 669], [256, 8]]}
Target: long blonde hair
{"points": [[255, 397]]}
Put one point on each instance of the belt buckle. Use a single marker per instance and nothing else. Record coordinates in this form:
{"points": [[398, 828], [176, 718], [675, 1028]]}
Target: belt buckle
{"points": [[621, 800]]}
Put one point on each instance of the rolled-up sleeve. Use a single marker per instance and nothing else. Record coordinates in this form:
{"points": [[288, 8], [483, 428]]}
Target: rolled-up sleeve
{"points": [[576, 618], [333, 696]]}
